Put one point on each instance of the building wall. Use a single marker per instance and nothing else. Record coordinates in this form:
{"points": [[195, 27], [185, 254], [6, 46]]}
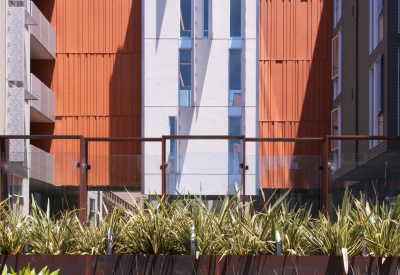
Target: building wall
{"points": [[202, 166], [96, 77], [3, 85], [295, 94]]}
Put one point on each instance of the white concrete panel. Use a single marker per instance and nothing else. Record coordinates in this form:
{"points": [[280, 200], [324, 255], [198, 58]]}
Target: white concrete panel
{"points": [[250, 19], [220, 19], [212, 73], [250, 122], [161, 71], [251, 73], [203, 184], [156, 120], [203, 163], [251, 185], [161, 18], [152, 184], [203, 121]]}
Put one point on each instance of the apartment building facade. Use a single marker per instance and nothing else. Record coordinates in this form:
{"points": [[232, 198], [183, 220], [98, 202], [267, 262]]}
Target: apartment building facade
{"points": [[133, 68], [365, 79]]}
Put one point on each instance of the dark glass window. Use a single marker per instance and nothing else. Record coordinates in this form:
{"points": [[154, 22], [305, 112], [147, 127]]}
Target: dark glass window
{"points": [[235, 80], [186, 18], [206, 13], [236, 18], [185, 77], [235, 147]]}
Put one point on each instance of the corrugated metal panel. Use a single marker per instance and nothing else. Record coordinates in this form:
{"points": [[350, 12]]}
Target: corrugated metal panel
{"points": [[295, 88], [94, 26], [295, 30], [109, 161], [97, 79]]}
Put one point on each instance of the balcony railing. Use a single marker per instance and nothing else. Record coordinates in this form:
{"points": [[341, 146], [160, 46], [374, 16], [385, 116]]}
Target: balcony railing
{"points": [[44, 108], [42, 165], [43, 36]]}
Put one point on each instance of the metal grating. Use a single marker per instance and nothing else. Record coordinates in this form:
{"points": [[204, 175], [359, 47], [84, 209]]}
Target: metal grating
{"points": [[15, 121], [35, 12], [52, 105], [15, 50], [36, 90], [42, 165]]}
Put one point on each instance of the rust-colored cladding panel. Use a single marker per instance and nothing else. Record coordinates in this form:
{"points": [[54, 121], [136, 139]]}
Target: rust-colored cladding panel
{"points": [[97, 79], [295, 93]]}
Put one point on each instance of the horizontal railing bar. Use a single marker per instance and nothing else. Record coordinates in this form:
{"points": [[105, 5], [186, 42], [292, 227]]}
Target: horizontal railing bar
{"points": [[123, 139], [204, 137], [40, 137], [353, 137], [285, 139]]}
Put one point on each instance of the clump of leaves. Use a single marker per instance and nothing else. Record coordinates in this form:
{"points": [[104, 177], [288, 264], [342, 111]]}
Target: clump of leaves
{"points": [[27, 271]]}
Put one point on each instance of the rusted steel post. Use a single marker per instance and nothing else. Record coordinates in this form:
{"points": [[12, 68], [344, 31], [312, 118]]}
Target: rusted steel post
{"points": [[83, 187], [163, 181], [3, 174], [244, 170], [327, 168], [4, 144]]}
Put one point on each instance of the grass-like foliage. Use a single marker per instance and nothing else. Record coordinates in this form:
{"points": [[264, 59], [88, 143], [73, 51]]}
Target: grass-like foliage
{"points": [[228, 228], [27, 271]]}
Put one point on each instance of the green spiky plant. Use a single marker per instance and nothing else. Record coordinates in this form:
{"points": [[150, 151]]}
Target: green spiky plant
{"points": [[231, 228], [27, 271]]}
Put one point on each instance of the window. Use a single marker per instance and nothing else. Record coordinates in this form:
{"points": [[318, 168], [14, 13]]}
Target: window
{"points": [[376, 118], [206, 11], [375, 23], [91, 209], [335, 128], [186, 18], [235, 148], [172, 147], [236, 18], [15, 185], [337, 11], [336, 64], [336, 125], [235, 77], [185, 78]]}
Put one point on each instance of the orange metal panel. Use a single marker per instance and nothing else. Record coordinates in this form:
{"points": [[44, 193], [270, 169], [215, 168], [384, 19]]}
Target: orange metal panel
{"points": [[295, 88], [97, 79]]}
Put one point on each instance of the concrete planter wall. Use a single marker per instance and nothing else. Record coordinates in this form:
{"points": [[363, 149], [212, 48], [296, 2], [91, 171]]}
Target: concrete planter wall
{"points": [[210, 265]]}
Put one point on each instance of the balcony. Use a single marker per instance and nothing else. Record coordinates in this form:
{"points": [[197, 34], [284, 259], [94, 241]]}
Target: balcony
{"points": [[42, 165], [44, 108], [43, 36]]}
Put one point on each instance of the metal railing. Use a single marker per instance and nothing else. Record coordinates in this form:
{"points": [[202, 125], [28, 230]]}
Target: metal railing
{"points": [[324, 166]]}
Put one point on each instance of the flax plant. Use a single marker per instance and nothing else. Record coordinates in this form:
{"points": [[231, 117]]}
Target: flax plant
{"points": [[12, 229], [50, 234], [380, 227], [335, 239]]}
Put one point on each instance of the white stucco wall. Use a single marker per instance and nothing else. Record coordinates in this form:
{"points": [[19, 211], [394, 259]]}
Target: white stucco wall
{"points": [[202, 166]]}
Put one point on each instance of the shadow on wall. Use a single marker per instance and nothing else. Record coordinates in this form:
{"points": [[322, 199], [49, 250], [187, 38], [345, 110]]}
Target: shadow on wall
{"points": [[125, 160], [97, 79], [295, 90]]}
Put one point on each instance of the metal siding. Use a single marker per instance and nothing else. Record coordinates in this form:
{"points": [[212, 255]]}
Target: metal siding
{"points": [[295, 86], [97, 79]]}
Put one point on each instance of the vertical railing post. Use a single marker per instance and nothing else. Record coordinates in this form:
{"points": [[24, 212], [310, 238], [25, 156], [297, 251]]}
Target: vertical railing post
{"points": [[3, 169], [83, 187], [244, 170], [163, 181], [327, 168]]}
